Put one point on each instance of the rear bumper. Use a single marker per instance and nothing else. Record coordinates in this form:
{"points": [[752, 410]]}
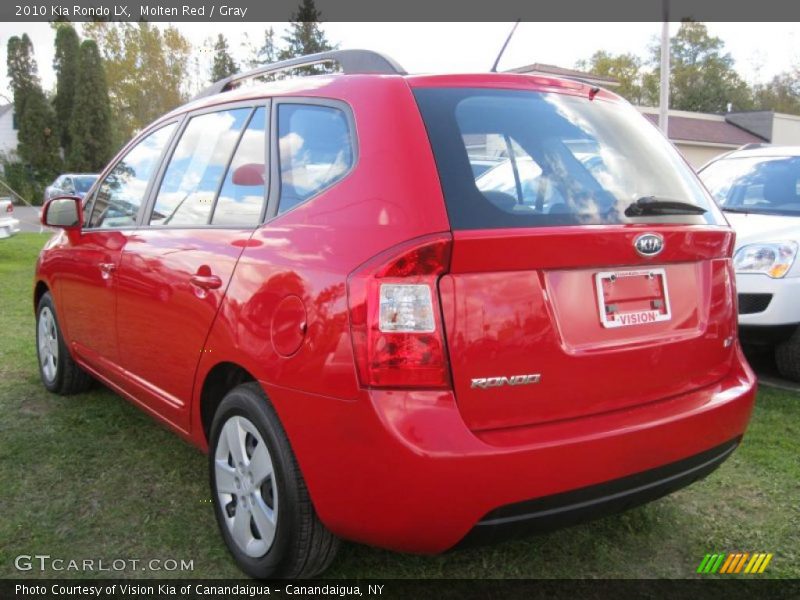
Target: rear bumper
{"points": [[568, 508], [8, 226], [401, 470]]}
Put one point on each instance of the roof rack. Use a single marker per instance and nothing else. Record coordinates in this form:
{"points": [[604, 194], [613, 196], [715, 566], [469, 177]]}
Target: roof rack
{"points": [[352, 62]]}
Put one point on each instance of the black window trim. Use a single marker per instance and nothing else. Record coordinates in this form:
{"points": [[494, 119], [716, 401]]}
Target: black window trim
{"points": [[275, 175], [120, 156], [152, 193]]}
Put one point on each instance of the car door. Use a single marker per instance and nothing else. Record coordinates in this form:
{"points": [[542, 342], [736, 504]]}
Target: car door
{"points": [[175, 269], [87, 282]]}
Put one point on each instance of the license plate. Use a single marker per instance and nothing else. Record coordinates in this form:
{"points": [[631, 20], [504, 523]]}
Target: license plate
{"points": [[627, 298]]}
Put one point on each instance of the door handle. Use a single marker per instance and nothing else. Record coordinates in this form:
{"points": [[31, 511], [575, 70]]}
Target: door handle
{"points": [[206, 282], [106, 269]]}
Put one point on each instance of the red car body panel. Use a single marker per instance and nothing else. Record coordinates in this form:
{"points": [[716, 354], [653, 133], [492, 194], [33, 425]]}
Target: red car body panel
{"points": [[406, 458], [525, 303], [85, 294], [399, 468], [157, 301]]}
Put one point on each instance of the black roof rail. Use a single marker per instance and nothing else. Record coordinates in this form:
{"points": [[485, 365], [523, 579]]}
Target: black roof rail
{"points": [[351, 61]]}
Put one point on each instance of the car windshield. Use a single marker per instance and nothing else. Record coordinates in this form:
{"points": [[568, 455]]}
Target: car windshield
{"points": [[84, 182], [510, 158], [757, 184]]}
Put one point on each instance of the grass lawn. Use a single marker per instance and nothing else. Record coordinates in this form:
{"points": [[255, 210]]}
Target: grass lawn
{"points": [[91, 476]]}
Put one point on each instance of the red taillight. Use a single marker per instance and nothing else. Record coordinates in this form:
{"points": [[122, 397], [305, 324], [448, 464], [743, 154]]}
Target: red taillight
{"points": [[10, 208], [395, 318]]}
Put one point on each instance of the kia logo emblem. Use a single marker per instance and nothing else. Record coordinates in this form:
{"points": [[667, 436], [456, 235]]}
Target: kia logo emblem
{"points": [[649, 244]]}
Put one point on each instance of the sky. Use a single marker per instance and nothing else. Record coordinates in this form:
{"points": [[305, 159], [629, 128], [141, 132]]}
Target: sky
{"points": [[760, 50]]}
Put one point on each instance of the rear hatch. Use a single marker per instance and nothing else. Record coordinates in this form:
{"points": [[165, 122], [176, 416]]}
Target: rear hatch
{"points": [[558, 304]]}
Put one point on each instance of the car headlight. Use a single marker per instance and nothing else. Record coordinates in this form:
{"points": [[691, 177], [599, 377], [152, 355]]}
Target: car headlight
{"points": [[773, 259]]}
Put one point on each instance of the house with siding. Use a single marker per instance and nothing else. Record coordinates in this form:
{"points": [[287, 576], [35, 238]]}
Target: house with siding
{"points": [[8, 131], [701, 137]]}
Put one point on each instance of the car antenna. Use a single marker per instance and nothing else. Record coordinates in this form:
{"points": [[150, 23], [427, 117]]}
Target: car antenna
{"points": [[503, 49]]}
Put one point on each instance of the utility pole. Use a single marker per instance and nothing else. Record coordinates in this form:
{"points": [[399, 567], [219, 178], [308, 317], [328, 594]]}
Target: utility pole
{"points": [[663, 100]]}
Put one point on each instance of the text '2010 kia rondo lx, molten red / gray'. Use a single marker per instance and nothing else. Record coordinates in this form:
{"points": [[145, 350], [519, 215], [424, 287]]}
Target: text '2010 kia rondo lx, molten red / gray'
{"points": [[413, 312]]}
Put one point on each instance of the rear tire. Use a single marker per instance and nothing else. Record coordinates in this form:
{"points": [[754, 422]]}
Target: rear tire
{"points": [[282, 537], [787, 357], [60, 374]]}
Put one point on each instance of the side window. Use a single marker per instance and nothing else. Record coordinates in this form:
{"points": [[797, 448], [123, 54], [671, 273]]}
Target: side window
{"points": [[121, 193], [243, 193], [197, 165], [67, 186], [315, 149]]}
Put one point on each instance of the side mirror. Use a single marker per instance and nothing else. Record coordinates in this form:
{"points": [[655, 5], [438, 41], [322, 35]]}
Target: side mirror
{"points": [[251, 174], [64, 212]]}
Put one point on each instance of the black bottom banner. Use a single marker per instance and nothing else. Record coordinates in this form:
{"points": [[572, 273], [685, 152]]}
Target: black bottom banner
{"points": [[731, 589]]}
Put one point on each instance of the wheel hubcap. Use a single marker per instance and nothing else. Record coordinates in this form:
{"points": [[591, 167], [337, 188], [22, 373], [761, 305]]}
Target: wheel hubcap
{"points": [[245, 486], [47, 341]]}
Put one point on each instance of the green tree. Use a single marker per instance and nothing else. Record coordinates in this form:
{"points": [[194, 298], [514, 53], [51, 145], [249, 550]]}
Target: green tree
{"points": [[145, 70], [223, 65], [702, 74], [36, 134], [90, 125], [781, 94], [267, 52], [37, 137], [65, 65], [306, 36], [625, 68], [22, 71]]}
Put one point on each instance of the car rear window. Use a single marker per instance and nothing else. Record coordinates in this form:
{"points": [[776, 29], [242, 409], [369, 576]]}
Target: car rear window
{"points": [[511, 158]]}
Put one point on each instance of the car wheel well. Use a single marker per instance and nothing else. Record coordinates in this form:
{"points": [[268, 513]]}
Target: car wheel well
{"points": [[40, 290], [221, 379]]}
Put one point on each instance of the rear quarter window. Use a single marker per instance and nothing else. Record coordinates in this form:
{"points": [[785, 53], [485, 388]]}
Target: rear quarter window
{"points": [[315, 150]]}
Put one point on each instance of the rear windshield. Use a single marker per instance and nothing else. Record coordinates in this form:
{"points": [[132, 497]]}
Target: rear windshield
{"points": [[767, 185], [510, 158]]}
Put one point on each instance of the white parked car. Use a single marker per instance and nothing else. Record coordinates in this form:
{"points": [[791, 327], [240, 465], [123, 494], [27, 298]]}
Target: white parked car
{"points": [[8, 224], [759, 191], [70, 184]]}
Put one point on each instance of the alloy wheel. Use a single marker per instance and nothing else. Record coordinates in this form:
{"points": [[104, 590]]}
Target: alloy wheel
{"points": [[245, 486], [47, 340]]}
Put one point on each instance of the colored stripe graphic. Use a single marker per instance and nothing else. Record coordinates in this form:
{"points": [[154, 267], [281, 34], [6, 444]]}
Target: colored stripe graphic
{"points": [[754, 562], [739, 566], [703, 563], [765, 563], [732, 558], [735, 563], [717, 563]]}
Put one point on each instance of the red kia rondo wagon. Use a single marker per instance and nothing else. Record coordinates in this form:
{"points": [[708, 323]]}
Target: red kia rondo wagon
{"points": [[409, 311]]}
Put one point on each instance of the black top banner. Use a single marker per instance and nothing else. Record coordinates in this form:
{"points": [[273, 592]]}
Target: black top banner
{"points": [[397, 10]]}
